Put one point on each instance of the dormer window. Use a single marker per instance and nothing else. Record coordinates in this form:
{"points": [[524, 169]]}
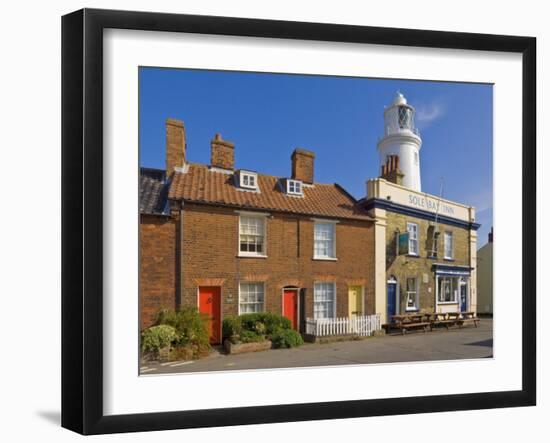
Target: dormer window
{"points": [[248, 180], [294, 187]]}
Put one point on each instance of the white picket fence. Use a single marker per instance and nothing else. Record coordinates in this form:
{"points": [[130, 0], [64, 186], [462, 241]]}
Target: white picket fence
{"points": [[363, 325]]}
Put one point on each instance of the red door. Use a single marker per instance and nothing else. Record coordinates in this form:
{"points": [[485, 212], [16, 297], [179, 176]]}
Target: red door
{"points": [[209, 304], [290, 306]]}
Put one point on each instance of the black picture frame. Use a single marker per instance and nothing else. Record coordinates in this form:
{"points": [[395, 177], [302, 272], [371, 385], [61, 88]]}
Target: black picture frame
{"points": [[82, 216]]}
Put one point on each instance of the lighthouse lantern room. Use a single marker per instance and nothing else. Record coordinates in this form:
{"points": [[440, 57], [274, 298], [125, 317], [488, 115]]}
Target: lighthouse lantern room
{"points": [[402, 139]]}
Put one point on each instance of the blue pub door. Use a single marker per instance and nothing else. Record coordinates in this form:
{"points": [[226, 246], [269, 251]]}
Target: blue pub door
{"points": [[392, 292]]}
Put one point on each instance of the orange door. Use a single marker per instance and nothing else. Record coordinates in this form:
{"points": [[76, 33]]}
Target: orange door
{"points": [[209, 304], [290, 306]]}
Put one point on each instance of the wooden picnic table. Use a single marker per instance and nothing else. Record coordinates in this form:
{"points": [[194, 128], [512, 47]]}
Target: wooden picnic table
{"points": [[453, 318], [469, 316], [425, 320], [410, 321], [432, 319]]}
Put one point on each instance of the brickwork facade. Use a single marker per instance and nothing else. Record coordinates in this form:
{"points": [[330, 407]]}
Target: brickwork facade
{"points": [[211, 248], [158, 273], [421, 267], [210, 257]]}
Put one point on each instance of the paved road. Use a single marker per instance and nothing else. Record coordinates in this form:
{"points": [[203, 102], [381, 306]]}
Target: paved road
{"points": [[457, 343]]}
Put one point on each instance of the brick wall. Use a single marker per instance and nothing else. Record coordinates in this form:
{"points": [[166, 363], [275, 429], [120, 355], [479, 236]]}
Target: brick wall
{"points": [[157, 276], [210, 244], [422, 267]]}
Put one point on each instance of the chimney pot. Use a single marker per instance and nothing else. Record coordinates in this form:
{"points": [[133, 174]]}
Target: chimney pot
{"points": [[391, 171]]}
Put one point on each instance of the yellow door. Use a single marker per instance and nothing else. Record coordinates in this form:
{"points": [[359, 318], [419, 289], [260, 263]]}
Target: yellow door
{"points": [[355, 304]]}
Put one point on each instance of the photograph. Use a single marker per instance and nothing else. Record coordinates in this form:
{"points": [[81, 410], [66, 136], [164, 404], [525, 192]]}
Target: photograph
{"points": [[294, 221]]}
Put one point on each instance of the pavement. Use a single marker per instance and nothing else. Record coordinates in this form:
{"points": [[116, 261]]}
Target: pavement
{"points": [[467, 342]]}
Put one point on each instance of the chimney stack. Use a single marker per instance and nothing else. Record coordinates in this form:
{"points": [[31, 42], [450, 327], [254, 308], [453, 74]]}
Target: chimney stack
{"points": [[222, 154], [491, 235], [302, 165], [391, 171], [175, 145]]}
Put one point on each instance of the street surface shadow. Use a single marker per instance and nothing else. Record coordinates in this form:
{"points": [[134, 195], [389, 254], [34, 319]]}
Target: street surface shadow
{"points": [[488, 343]]}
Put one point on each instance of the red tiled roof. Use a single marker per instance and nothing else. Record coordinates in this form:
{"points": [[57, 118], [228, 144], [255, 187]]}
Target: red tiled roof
{"points": [[202, 185]]}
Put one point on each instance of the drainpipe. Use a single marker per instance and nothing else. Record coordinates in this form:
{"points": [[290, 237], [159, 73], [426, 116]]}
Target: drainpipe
{"points": [[179, 300]]}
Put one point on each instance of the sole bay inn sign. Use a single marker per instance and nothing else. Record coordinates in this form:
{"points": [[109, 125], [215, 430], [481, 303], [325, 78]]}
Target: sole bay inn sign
{"points": [[429, 204], [387, 193]]}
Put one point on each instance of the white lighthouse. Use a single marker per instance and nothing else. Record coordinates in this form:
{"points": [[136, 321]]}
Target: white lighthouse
{"points": [[401, 139]]}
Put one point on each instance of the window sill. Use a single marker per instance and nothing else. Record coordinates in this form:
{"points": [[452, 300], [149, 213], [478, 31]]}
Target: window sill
{"points": [[447, 302], [325, 258], [448, 259], [241, 255], [413, 255], [411, 309]]}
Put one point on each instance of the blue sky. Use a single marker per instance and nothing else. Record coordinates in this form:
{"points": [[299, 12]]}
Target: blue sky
{"points": [[339, 118]]}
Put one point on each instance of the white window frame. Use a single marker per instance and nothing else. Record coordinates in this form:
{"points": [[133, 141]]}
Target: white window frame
{"points": [[331, 223], [251, 303], [414, 293], [244, 180], [294, 187], [446, 236], [263, 218], [411, 239], [333, 284], [454, 294]]}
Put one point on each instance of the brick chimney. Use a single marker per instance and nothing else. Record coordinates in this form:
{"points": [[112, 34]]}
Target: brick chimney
{"points": [[391, 171], [491, 235], [302, 165], [222, 153], [175, 145]]}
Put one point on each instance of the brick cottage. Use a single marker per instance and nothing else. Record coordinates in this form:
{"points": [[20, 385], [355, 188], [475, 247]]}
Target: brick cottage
{"points": [[233, 241]]}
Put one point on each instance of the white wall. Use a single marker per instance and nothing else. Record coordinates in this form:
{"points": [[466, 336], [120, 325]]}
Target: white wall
{"points": [[30, 222]]}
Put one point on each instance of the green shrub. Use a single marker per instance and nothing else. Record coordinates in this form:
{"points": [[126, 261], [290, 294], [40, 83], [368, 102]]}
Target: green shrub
{"points": [[232, 327], [264, 322], [155, 338], [286, 338], [274, 323], [251, 337], [248, 328], [191, 328]]}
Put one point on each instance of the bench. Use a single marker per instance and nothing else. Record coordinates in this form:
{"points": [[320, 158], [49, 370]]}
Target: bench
{"points": [[468, 317], [410, 321], [454, 318]]}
